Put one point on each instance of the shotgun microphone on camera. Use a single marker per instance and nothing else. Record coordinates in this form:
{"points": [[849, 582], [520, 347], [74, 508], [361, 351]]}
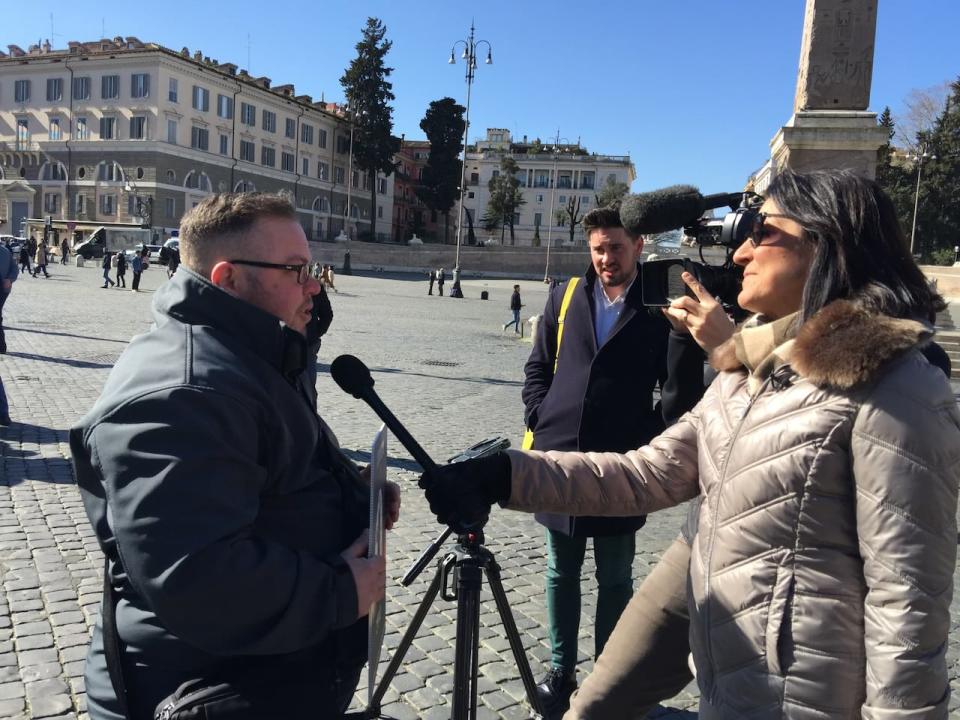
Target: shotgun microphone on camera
{"points": [[354, 378], [670, 208]]}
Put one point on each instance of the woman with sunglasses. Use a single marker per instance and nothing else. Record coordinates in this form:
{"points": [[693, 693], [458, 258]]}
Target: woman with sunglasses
{"points": [[828, 454]]}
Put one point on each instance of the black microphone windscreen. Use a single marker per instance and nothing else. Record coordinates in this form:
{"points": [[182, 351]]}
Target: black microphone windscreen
{"points": [[351, 375], [660, 210]]}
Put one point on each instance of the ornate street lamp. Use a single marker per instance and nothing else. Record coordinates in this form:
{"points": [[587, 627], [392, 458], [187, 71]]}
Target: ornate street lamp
{"points": [[553, 194], [470, 56]]}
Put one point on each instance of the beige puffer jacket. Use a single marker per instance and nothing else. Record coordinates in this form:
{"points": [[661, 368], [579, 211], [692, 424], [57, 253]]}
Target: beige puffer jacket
{"points": [[822, 571]]}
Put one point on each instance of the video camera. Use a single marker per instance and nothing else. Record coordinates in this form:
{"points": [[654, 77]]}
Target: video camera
{"points": [[682, 206]]}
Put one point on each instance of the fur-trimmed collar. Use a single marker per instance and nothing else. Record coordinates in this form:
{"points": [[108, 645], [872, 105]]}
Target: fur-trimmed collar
{"points": [[842, 346]]}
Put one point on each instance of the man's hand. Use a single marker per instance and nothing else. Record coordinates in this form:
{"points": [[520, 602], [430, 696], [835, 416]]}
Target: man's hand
{"points": [[461, 494], [369, 574], [391, 502], [702, 317]]}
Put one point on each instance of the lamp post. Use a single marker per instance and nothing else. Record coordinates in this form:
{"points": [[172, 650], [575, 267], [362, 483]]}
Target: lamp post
{"points": [[553, 195], [470, 55], [919, 157], [144, 206]]}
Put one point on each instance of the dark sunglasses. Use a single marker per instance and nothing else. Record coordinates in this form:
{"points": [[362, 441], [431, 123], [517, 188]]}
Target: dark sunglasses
{"points": [[758, 233], [302, 270]]}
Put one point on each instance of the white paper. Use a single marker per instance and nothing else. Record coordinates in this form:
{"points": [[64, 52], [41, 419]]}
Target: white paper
{"points": [[377, 547]]}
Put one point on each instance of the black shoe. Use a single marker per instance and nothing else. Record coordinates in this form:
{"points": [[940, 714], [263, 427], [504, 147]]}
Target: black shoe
{"points": [[554, 691]]}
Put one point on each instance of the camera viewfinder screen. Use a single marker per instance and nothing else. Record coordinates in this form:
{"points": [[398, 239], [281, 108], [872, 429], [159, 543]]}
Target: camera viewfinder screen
{"points": [[676, 287]]}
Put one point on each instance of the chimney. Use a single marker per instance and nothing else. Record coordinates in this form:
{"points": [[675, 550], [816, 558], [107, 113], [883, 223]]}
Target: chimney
{"points": [[15, 51], [47, 47], [263, 81], [197, 56], [230, 68], [185, 52], [285, 90]]}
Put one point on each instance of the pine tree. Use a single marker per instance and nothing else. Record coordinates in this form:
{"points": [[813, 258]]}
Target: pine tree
{"points": [[369, 95], [444, 125]]}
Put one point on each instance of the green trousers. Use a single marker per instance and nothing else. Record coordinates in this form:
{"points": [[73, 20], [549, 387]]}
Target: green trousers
{"points": [[614, 559]]}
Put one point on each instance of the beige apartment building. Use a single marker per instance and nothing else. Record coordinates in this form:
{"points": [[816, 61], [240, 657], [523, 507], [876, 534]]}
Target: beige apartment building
{"points": [[122, 131], [551, 176]]}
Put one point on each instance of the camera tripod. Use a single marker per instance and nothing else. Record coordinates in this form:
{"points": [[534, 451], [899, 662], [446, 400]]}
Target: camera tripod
{"points": [[459, 577]]}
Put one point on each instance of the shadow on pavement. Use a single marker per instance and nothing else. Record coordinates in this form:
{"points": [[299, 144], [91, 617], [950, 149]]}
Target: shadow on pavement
{"points": [[62, 361], [18, 464], [63, 334], [363, 457]]}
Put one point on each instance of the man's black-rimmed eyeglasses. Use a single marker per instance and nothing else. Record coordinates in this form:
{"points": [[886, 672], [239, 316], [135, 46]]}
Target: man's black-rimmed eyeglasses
{"points": [[300, 269]]}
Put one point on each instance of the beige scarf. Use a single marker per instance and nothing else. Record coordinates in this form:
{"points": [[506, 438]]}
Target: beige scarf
{"points": [[763, 346]]}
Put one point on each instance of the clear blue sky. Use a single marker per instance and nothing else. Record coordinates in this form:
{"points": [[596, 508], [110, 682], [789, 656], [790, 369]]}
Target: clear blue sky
{"points": [[693, 90]]}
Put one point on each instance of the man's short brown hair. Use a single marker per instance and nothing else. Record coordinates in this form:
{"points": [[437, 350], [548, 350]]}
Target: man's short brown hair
{"points": [[221, 223], [604, 218]]}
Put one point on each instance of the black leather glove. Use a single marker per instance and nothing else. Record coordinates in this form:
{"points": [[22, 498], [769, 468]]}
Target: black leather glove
{"points": [[460, 494]]}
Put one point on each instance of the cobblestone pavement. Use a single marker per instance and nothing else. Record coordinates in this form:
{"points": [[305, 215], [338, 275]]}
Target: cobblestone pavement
{"points": [[444, 367]]}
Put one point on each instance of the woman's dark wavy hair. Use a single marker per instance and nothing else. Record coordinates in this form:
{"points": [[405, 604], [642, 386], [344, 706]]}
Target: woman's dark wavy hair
{"points": [[860, 251]]}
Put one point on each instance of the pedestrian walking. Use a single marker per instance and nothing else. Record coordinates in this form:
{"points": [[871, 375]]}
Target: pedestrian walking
{"points": [[432, 277], [105, 264], [40, 260], [138, 266], [64, 251], [173, 262], [121, 270], [8, 274], [24, 259], [515, 305], [441, 278]]}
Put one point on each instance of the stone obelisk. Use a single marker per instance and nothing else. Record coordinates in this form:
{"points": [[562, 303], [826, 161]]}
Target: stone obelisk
{"points": [[831, 127]]}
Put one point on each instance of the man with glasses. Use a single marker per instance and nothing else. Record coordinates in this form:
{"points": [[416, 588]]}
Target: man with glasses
{"points": [[232, 524]]}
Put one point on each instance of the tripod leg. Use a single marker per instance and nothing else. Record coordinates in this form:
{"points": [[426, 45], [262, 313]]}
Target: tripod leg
{"points": [[519, 654], [429, 596], [468, 636]]}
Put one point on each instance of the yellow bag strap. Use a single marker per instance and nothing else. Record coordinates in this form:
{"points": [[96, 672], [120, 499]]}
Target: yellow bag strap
{"points": [[565, 303], [567, 297]]}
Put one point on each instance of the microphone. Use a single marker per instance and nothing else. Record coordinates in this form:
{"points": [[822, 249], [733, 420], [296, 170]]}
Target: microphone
{"points": [[354, 378], [670, 208]]}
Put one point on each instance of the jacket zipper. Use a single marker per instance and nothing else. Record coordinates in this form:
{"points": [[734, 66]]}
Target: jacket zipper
{"points": [[708, 640]]}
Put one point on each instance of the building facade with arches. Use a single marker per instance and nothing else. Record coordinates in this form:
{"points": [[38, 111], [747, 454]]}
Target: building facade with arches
{"points": [[122, 131]]}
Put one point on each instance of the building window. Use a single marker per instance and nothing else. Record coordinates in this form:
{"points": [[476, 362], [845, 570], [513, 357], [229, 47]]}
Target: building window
{"points": [[563, 181], [585, 200], [323, 171], [138, 127], [338, 175], [109, 172], [248, 114], [269, 121], [322, 138], [305, 164], [81, 88], [586, 181], [199, 138], [474, 178], [248, 151], [108, 128], [537, 219], [224, 144], [201, 98], [343, 145], [197, 181], [170, 207], [470, 194], [268, 156], [172, 132], [225, 107], [83, 132], [78, 203], [172, 90], [380, 211], [540, 199], [171, 177], [245, 186], [53, 171], [382, 186], [54, 131], [21, 91], [355, 179], [140, 85], [290, 128], [306, 134], [54, 89], [110, 87], [287, 162], [51, 203], [108, 204]]}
